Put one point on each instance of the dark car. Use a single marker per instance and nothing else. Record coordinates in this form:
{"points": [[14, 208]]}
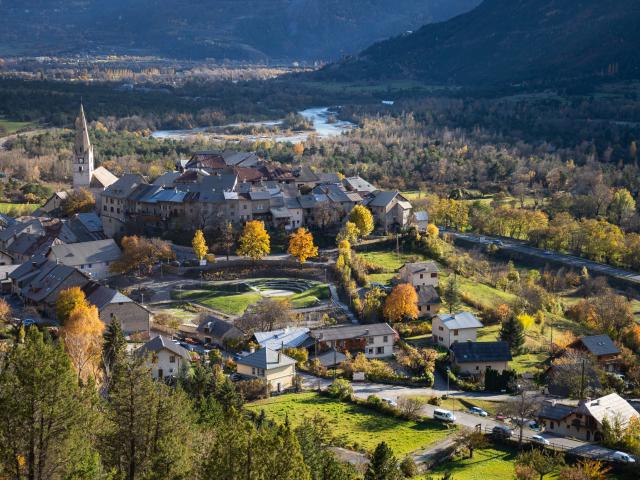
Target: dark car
{"points": [[501, 432]]}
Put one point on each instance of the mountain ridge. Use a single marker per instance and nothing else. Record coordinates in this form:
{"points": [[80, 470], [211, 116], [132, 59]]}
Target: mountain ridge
{"points": [[506, 41], [248, 30]]}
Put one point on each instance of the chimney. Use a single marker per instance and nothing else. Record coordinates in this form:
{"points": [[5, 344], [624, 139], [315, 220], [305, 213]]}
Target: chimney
{"points": [[279, 356]]}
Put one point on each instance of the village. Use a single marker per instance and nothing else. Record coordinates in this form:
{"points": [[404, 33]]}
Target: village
{"points": [[357, 321]]}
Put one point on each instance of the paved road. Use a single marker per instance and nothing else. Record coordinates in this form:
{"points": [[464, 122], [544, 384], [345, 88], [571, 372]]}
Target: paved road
{"points": [[568, 260]]}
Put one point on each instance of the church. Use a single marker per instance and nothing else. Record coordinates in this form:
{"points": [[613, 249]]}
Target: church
{"points": [[85, 175]]}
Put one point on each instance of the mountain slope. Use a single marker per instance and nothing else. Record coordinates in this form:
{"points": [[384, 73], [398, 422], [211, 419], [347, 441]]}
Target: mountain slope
{"points": [[233, 29], [510, 41]]}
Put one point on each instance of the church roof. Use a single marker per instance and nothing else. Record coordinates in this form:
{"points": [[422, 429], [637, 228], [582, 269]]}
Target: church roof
{"points": [[102, 178], [82, 144]]}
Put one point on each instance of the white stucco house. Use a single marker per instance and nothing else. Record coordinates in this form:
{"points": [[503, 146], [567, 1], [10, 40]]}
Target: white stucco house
{"points": [[448, 329], [164, 357], [91, 258], [276, 368]]}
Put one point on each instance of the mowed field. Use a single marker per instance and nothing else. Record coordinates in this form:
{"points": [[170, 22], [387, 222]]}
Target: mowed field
{"points": [[355, 427]]}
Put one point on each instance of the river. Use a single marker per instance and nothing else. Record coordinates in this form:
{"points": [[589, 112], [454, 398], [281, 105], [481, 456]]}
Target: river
{"points": [[319, 116]]}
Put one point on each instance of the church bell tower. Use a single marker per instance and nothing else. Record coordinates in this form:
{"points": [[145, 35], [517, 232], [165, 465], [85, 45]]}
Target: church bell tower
{"points": [[82, 154]]}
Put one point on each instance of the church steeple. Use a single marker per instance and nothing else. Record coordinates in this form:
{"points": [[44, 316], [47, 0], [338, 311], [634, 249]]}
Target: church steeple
{"points": [[83, 153]]}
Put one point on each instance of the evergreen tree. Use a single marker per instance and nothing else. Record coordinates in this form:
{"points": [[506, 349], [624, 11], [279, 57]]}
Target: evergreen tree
{"points": [[383, 465], [314, 434], [149, 426], [114, 349], [451, 294], [512, 332], [45, 417]]}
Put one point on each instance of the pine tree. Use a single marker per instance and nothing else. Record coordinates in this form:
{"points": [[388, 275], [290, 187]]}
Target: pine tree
{"points": [[451, 294], [45, 422], [149, 426], [114, 349], [383, 465], [512, 332]]}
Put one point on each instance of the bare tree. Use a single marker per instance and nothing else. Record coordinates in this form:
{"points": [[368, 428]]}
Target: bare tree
{"points": [[524, 405], [411, 406], [470, 440], [266, 315]]}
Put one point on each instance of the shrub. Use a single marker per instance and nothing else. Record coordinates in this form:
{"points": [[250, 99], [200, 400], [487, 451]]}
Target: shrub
{"points": [[253, 389], [435, 400], [410, 406], [408, 467], [340, 388]]}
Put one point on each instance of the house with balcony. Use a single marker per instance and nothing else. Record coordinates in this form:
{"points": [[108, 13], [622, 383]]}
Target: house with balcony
{"points": [[375, 340], [274, 367], [585, 421]]}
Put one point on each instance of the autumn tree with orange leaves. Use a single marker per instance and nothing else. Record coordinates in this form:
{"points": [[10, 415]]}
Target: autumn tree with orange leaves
{"points": [[301, 245], [82, 335], [402, 303]]}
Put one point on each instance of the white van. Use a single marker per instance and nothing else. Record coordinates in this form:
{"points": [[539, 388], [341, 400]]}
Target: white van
{"points": [[444, 415]]}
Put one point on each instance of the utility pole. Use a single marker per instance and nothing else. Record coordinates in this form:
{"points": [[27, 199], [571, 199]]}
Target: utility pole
{"points": [[582, 382]]}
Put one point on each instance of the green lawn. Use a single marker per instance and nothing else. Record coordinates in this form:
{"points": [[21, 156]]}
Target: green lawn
{"points": [[355, 426], [489, 463], [389, 260], [231, 303], [8, 127], [20, 208], [310, 297]]}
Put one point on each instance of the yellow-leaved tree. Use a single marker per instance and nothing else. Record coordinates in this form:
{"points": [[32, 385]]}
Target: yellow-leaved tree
{"points": [[362, 217], [199, 245], [68, 300], [301, 245], [254, 242], [432, 231], [402, 303], [82, 335]]}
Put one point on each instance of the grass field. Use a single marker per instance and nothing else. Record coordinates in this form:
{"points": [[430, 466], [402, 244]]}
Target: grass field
{"points": [[7, 127], [20, 208], [310, 297], [489, 463], [234, 298], [224, 301], [389, 260], [355, 426]]}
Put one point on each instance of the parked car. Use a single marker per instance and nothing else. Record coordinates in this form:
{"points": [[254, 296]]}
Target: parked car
{"points": [[444, 415], [501, 432], [622, 457], [390, 402], [540, 440], [478, 411], [535, 426]]}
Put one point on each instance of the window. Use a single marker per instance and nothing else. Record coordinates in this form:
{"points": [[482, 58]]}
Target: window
{"points": [[434, 275], [369, 340], [370, 351], [477, 367], [421, 276], [440, 328], [455, 332], [172, 359], [104, 207], [380, 350], [253, 370], [385, 339]]}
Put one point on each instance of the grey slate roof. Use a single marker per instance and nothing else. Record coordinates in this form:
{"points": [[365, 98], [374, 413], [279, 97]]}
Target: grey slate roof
{"points": [[459, 321], [352, 331], [266, 359], [161, 342], [217, 327], [99, 251], [101, 296], [330, 358], [358, 184], [383, 198], [49, 277], [555, 411], [125, 185], [599, 345], [90, 221], [419, 267], [167, 179], [466, 352], [428, 295]]}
